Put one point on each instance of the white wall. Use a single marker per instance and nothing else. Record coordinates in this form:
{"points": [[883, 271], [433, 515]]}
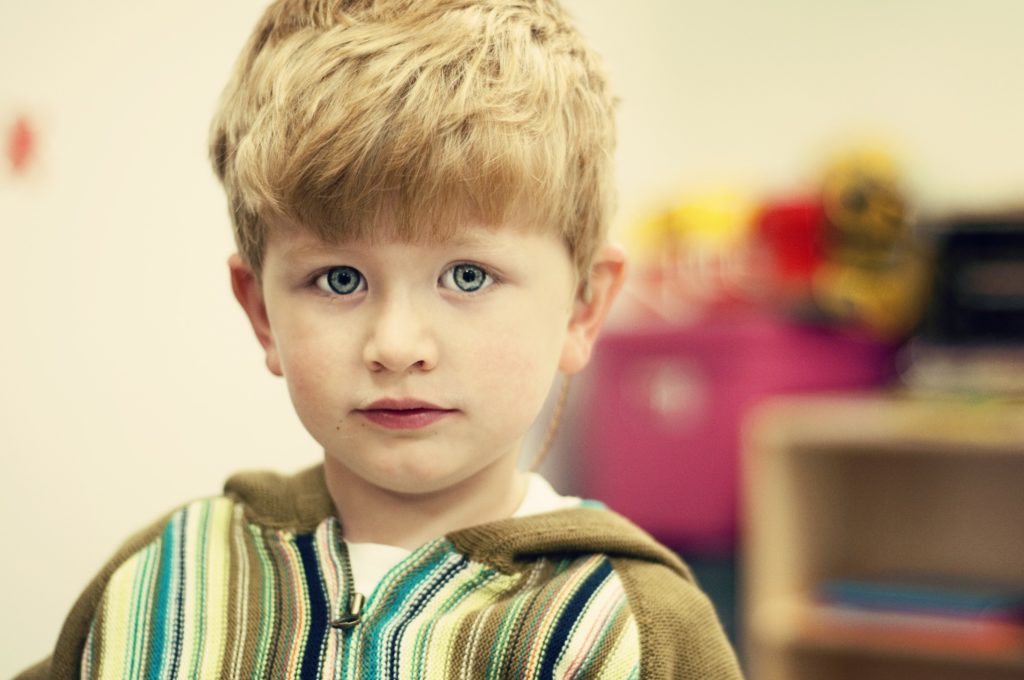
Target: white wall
{"points": [[757, 92], [129, 379]]}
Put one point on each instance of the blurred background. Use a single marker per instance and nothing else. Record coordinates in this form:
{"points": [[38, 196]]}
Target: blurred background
{"points": [[811, 387]]}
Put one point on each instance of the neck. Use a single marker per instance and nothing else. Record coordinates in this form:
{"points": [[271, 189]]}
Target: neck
{"points": [[371, 514]]}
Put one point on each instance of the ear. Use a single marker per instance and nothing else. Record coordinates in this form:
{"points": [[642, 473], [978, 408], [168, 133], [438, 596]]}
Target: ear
{"points": [[249, 293], [607, 275]]}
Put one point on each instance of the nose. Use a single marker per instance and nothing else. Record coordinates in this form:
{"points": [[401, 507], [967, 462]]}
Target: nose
{"points": [[401, 338]]}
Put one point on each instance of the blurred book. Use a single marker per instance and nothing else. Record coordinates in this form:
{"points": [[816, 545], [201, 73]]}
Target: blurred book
{"points": [[921, 613], [925, 595]]}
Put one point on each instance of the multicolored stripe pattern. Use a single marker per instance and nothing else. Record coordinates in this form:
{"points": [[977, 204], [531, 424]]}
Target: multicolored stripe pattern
{"points": [[215, 596]]}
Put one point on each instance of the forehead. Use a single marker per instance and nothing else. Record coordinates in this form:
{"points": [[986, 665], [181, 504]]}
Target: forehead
{"points": [[290, 239]]}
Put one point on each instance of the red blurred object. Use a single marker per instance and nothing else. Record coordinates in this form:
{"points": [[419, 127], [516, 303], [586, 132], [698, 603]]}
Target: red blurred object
{"points": [[793, 232], [21, 144]]}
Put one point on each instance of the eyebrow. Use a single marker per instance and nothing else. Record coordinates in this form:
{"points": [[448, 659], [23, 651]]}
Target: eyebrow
{"points": [[470, 239]]}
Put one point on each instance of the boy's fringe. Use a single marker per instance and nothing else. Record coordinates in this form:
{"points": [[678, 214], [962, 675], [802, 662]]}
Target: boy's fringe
{"points": [[412, 118]]}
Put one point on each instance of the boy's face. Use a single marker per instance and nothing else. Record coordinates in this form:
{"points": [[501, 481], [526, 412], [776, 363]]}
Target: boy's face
{"points": [[417, 366]]}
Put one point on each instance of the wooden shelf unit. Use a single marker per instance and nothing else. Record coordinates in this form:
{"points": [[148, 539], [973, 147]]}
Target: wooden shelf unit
{"points": [[848, 486]]}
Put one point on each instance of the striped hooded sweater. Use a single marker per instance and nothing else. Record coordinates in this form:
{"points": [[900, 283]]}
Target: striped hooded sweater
{"points": [[256, 584]]}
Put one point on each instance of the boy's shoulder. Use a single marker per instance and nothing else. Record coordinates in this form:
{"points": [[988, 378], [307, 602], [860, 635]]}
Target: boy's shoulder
{"points": [[294, 502], [679, 632]]}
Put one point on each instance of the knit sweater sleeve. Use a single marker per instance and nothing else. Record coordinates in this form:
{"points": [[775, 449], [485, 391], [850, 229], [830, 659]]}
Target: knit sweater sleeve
{"points": [[680, 634], [66, 659]]}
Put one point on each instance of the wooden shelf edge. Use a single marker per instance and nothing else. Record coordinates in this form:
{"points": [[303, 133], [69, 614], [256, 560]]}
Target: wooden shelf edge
{"points": [[897, 425], [790, 626]]}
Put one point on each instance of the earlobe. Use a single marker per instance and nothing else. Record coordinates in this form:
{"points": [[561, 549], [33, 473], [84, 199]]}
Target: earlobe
{"points": [[249, 293], [607, 275]]}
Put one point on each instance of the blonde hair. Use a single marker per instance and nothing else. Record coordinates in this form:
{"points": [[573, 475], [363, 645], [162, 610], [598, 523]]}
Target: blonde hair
{"points": [[415, 116]]}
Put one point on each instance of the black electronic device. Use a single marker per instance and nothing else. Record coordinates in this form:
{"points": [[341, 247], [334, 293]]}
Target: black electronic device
{"points": [[978, 293], [972, 337]]}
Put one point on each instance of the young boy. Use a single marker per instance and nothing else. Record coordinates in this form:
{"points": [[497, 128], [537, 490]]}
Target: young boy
{"points": [[420, 194]]}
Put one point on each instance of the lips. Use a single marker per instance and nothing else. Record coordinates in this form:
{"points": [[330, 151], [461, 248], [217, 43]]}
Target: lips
{"points": [[404, 414]]}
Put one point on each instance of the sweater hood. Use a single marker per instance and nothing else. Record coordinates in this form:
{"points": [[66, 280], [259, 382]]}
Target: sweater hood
{"points": [[300, 502]]}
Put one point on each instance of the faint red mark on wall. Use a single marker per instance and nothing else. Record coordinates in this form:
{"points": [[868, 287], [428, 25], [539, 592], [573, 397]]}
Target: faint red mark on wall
{"points": [[21, 144]]}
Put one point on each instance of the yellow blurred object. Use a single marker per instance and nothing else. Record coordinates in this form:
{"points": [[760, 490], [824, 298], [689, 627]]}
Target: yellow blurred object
{"points": [[718, 221], [864, 203], [693, 255], [873, 271], [888, 300]]}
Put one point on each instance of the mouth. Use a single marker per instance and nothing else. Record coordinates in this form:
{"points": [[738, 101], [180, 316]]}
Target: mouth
{"points": [[404, 414]]}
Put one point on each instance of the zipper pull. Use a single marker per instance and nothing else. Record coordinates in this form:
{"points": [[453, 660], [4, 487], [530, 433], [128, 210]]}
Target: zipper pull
{"points": [[354, 614]]}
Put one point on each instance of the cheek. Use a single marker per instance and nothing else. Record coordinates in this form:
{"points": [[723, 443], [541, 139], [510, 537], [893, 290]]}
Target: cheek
{"points": [[515, 366], [309, 364], [309, 344]]}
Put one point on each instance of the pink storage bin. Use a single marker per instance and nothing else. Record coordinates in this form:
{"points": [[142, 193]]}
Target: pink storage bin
{"points": [[660, 418]]}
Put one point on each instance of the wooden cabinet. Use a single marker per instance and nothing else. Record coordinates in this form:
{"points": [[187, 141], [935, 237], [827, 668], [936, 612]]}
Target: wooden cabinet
{"points": [[850, 486]]}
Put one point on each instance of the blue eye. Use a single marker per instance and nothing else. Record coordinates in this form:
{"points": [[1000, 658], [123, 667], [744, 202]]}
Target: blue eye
{"points": [[468, 278], [341, 281]]}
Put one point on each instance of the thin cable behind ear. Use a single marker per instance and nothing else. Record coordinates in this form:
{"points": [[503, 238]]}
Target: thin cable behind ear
{"points": [[556, 420]]}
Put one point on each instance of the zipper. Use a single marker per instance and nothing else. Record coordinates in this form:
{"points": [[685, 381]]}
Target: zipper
{"points": [[354, 602]]}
